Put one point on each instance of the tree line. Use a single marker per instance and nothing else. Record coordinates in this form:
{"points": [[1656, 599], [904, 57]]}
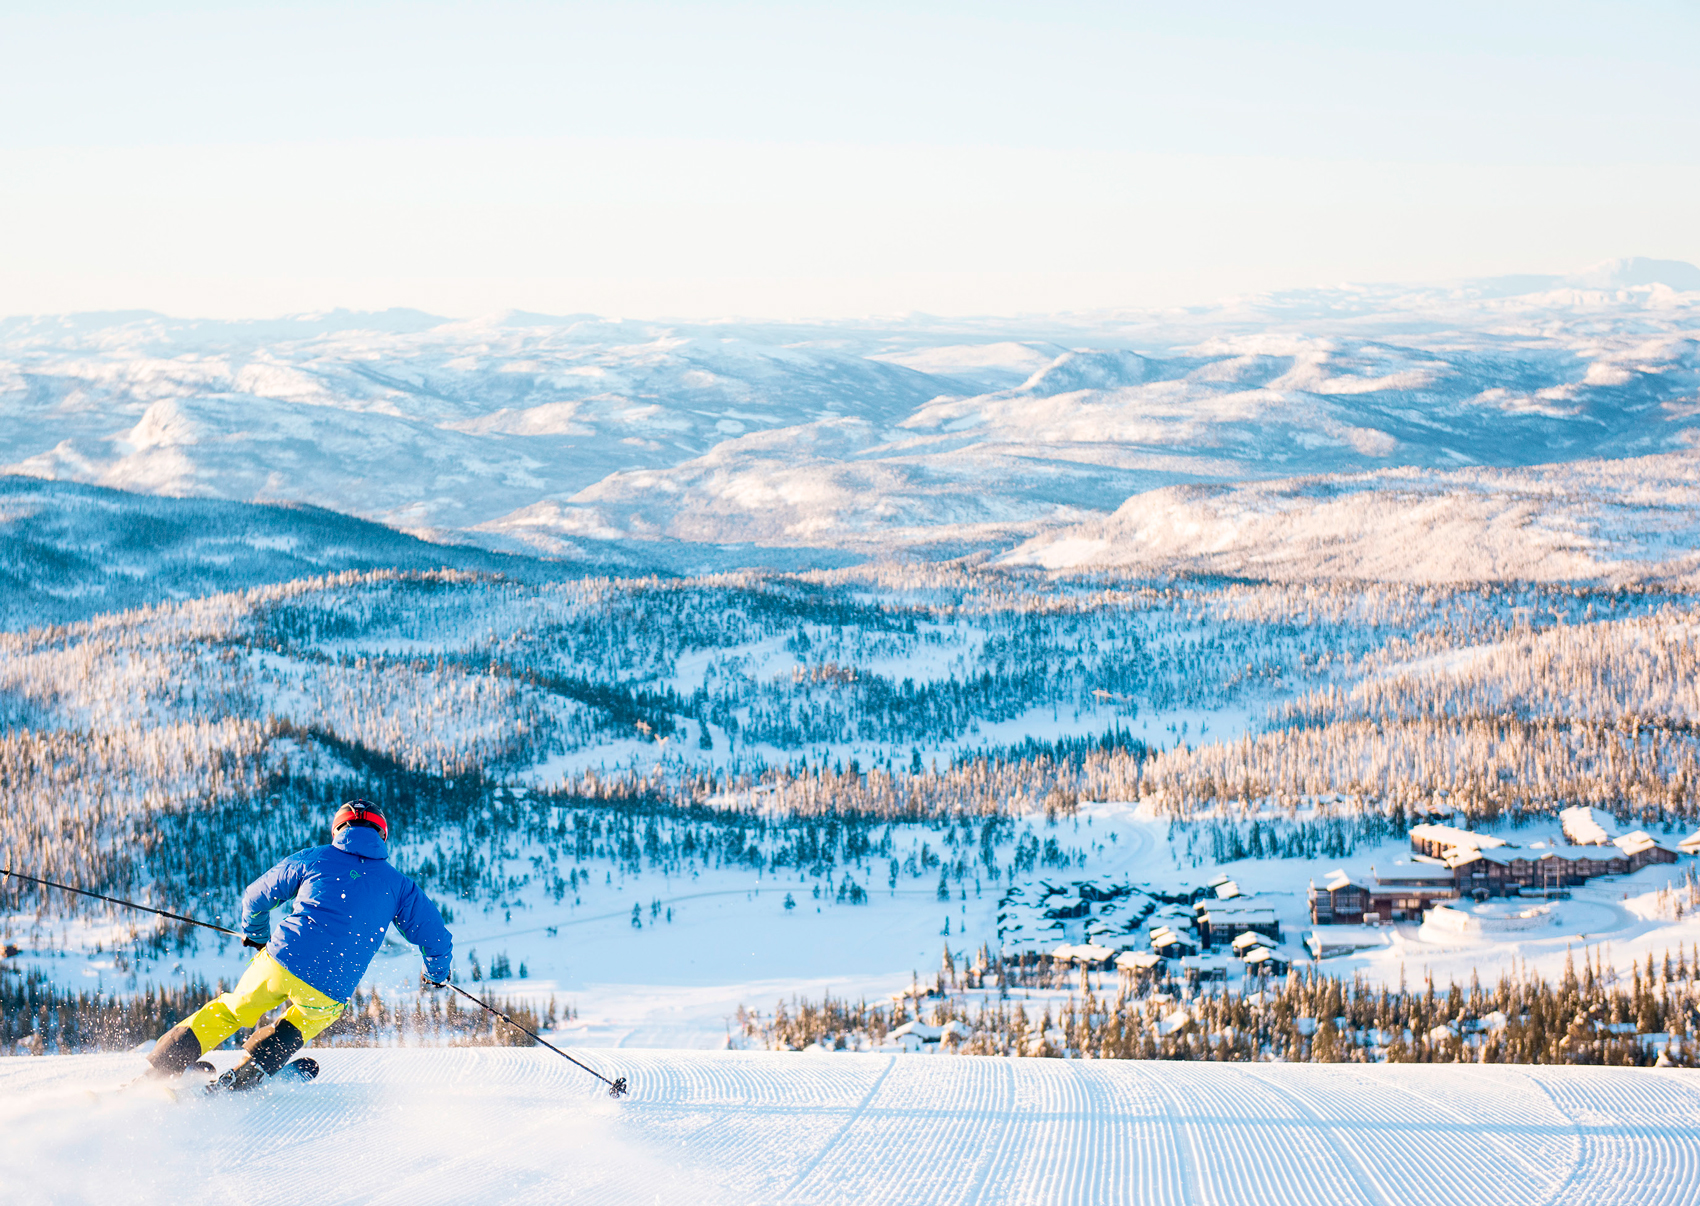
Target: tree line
{"points": [[1591, 1015]]}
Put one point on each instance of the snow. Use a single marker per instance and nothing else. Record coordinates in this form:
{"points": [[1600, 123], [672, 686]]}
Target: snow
{"points": [[1590, 521], [452, 1126], [931, 437], [1303, 437], [1587, 826], [723, 939]]}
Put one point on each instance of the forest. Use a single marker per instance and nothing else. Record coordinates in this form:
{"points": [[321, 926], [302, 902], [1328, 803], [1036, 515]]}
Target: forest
{"points": [[982, 1007], [921, 722]]}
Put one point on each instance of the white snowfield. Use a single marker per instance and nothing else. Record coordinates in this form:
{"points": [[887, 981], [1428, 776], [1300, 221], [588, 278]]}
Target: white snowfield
{"points": [[505, 1125]]}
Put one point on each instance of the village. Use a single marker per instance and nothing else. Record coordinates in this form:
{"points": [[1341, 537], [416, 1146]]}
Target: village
{"points": [[1166, 951], [1457, 883]]}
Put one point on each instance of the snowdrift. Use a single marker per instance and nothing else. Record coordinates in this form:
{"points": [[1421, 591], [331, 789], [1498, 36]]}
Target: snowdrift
{"points": [[429, 1126]]}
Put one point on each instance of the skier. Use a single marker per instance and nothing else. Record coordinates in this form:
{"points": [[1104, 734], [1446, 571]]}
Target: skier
{"points": [[346, 896]]}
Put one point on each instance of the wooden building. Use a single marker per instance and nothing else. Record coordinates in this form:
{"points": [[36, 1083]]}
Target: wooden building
{"points": [[1261, 961], [1643, 850], [1220, 923], [1341, 901], [1406, 898], [1138, 967], [1171, 945], [1205, 969], [1338, 902], [1439, 841], [1085, 954], [1500, 874]]}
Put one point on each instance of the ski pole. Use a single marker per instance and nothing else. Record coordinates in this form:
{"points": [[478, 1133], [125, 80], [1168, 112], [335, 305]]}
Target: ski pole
{"points": [[128, 904], [616, 1087]]}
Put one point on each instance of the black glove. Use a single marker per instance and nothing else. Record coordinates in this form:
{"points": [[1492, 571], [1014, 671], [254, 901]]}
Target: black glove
{"points": [[247, 941]]}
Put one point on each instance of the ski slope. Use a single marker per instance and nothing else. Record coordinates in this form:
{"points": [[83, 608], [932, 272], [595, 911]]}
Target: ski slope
{"points": [[422, 1126]]}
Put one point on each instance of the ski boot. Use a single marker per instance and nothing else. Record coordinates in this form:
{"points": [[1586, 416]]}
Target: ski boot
{"points": [[269, 1049], [177, 1052]]}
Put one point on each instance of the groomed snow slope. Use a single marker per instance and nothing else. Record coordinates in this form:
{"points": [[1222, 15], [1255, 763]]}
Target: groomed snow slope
{"points": [[505, 1125]]}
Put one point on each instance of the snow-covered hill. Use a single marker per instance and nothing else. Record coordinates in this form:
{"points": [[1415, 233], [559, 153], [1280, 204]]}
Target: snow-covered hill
{"points": [[69, 551], [1606, 522], [920, 435], [453, 1126]]}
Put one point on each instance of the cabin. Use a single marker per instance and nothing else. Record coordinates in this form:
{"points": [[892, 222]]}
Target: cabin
{"points": [[1223, 888], [1205, 969], [1218, 922], [1171, 945], [911, 997], [1246, 942], [1069, 910], [1171, 915], [1690, 844], [1097, 928], [1085, 954], [1261, 961], [955, 1032], [1099, 893], [916, 1037], [1136, 966], [1643, 850], [1338, 902]]}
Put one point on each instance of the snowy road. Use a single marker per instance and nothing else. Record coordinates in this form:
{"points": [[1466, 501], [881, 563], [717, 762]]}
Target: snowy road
{"points": [[419, 1127]]}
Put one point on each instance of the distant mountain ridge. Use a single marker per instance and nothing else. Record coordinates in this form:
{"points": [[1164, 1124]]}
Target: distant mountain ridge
{"points": [[701, 445], [69, 551], [1635, 272]]}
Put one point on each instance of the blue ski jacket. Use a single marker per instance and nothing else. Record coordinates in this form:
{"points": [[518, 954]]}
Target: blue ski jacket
{"points": [[346, 895]]}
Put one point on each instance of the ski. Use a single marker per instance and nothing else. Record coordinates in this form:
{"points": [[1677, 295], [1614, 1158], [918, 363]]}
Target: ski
{"points": [[246, 1078], [300, 1070]]}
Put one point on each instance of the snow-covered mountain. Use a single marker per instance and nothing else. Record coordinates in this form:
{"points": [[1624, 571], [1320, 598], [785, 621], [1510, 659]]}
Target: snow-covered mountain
{"points": [[558, 435]]}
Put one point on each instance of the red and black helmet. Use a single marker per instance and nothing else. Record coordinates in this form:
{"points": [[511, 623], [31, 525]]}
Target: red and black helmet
{"points": [[360, 812]]}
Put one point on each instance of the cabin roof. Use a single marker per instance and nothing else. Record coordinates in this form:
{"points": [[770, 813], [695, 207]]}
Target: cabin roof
{"points": [[1451, 835], [1587, 826], [1635, 843]]}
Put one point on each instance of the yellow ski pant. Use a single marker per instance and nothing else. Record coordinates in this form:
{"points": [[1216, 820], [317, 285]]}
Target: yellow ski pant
{"points": [[263, 987]]}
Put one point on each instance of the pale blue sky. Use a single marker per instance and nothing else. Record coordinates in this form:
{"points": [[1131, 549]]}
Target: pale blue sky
{"points": [[795, 160]]}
